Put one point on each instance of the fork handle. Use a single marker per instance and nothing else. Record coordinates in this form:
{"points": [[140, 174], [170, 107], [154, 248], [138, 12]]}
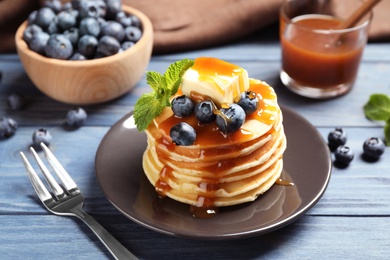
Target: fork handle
{"points": [[115, 248]]}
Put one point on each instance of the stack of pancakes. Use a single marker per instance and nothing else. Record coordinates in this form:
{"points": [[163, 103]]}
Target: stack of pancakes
{"points": [[218, 170]]}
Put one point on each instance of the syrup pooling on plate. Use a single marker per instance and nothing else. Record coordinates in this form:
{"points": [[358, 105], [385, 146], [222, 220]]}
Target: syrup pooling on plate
{"points": [[218, 168]]}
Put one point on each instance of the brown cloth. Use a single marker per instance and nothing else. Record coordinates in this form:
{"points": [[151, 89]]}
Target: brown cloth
{"points": [[181, 25]]}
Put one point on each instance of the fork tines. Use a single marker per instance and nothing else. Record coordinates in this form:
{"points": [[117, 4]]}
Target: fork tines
{"points": [[39, 187]]}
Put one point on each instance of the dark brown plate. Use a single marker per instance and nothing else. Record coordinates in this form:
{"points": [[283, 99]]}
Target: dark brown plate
{"points": [[307, 163]]}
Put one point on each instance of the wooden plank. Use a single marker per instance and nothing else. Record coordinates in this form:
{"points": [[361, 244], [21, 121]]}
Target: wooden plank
{"points": [[42, 237]]}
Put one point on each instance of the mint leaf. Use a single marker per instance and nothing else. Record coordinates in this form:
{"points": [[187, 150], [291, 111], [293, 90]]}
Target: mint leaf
{"points": [[155, 80], [175, 72], [146, 108], [378, 107], [150, 105]]}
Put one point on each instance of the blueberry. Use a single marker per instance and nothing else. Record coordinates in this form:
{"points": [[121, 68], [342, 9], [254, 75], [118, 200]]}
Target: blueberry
{"points": [[66, 20], [336, 138], [113, 29], [53, 27], [88, 9], [38, 42], [72, 34], [54, 5], [204, 111], [102, 8], [127, 45], [373, 148], [59, 47], [108, 46], [133, 33], [182, 134], [89, 26], [30, 31], [16, 101], [67, 7], [44, 17], [41, 136], [248, 101], [344, 155], [113, 7], [135, 21], [31, 17], [87, 46], [124, 19], [182, 106], [77, 56], [230, 119], [76, 117], [8, 127]]}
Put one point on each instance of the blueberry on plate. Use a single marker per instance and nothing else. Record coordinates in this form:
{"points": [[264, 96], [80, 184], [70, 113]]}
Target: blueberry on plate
{"points": [[16, 101], [248, 101], [230, 119], [8, 127], [204, 111], [76, 117], [58, 47], [182, 106], [373, 148], [336, 138], [182, 134], [41, 136], [343, 155]]}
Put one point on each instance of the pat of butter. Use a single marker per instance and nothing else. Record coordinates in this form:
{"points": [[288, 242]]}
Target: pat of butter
{"points": [[215, 79]]}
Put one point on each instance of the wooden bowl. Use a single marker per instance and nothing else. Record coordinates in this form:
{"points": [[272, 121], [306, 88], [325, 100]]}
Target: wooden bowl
{"points": [[90, 81]]}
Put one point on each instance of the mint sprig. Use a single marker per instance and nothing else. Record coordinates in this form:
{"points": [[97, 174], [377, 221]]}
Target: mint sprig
{"points": [[150, 105], [378, 108]]}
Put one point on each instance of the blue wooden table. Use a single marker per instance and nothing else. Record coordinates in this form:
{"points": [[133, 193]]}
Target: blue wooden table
{"points": [[351, 221]]}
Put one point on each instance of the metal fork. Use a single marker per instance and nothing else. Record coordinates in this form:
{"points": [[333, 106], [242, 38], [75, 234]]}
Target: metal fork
{"points": [[68, 202]]}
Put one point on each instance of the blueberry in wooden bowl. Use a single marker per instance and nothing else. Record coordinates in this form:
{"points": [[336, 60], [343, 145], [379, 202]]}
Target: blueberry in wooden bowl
{"points": [[74, 78]]}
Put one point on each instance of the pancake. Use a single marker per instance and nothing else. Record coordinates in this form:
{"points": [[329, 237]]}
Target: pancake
{"points": [[218, 169]]}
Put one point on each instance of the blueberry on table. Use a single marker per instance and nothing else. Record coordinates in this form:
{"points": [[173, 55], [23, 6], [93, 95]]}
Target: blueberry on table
{"points": [[344, 155], [58, 47], [41, 136], [248, 101], [182, 134], [182, 106], [8, 127], [204, 111], [76, 117], [230, 119], [373, 148], [336, 138], [16, 101]]}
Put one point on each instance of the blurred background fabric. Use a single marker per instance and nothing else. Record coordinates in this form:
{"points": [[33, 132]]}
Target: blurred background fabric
{"points": [[181, 25]]}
